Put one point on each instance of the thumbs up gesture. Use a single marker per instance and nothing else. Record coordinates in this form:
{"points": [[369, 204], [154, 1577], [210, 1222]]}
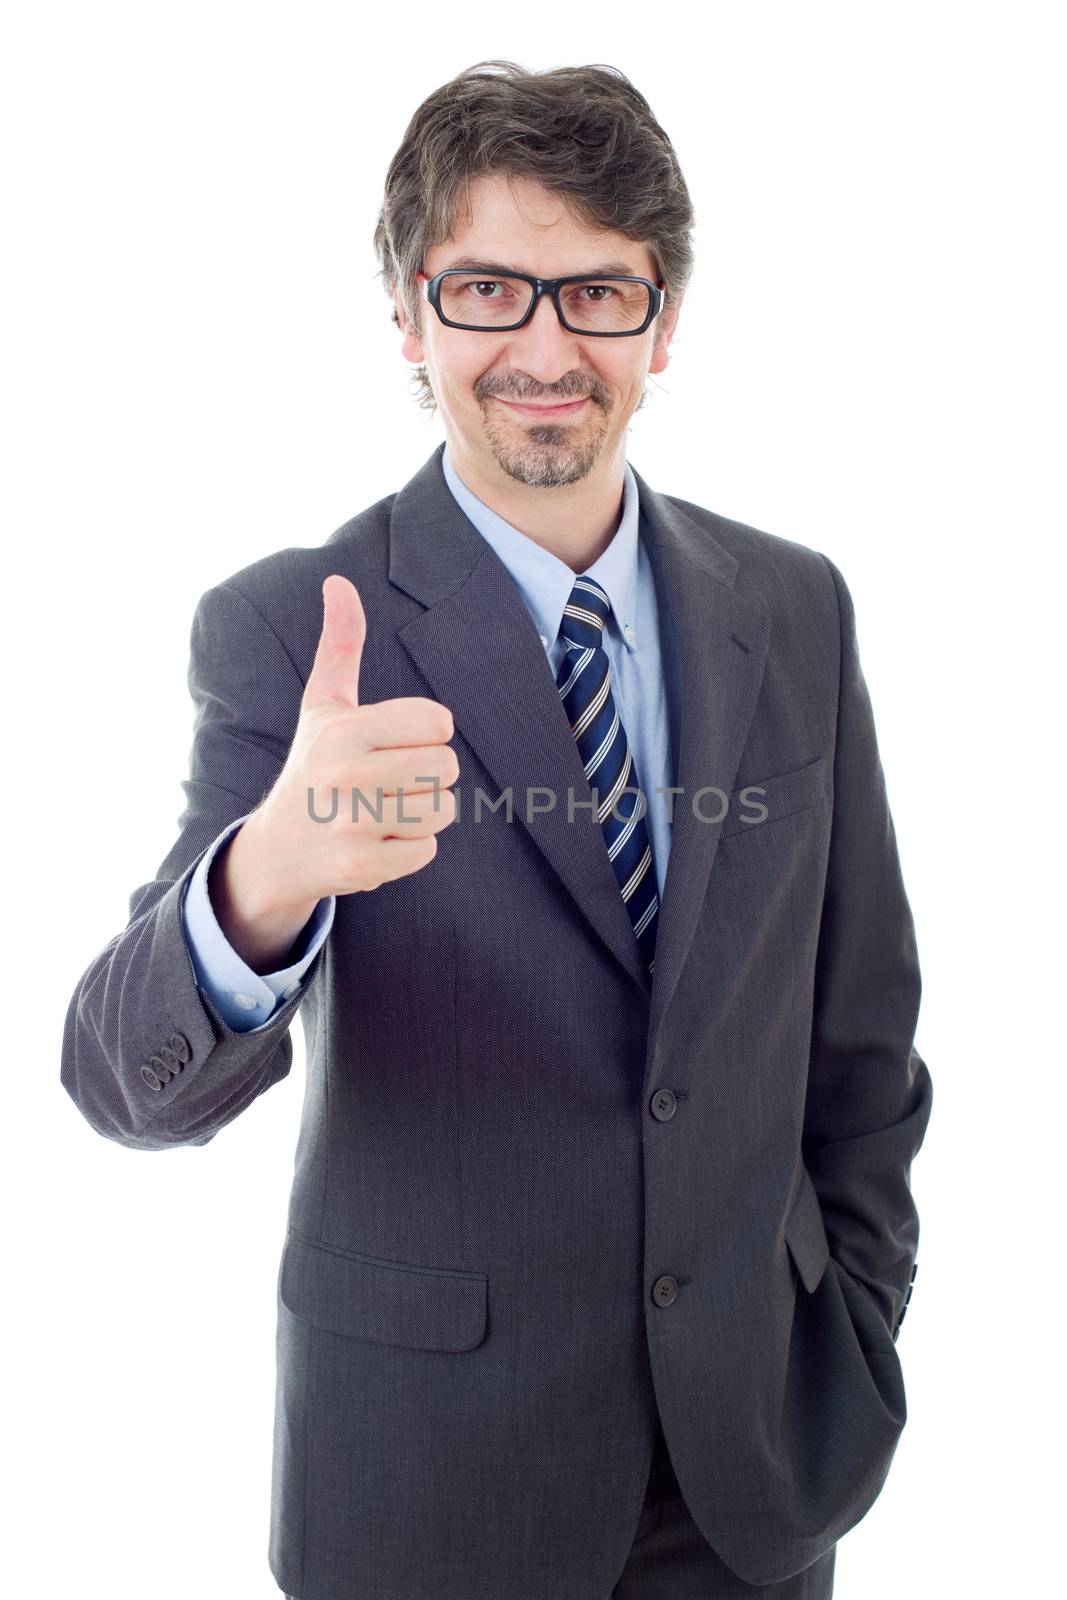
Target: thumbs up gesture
{"points": [[282, 860]]}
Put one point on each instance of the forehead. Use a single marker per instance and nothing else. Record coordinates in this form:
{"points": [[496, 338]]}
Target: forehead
{"points": [[528, 227]]}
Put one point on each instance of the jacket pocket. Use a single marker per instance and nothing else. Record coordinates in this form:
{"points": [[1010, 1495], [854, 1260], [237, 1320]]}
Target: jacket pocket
{"points": [[782, 795], [805, 1234], [389, 1302]]}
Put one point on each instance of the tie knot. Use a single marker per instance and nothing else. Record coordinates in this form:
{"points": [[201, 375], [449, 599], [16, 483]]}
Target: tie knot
{"points": [[585, 616]]}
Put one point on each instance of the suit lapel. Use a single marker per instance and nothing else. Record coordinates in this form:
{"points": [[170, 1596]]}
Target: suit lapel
{"points": [[478, 648], [722, 648]]}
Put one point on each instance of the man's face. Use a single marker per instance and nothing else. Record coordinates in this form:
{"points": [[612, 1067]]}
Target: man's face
{"points": [[475, 373]]}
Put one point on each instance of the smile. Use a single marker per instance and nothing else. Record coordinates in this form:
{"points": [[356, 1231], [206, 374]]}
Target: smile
{"points": [[571, 407]]}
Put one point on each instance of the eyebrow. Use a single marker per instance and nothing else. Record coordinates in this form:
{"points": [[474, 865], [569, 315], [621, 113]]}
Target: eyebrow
{"points": [[605, 269]]}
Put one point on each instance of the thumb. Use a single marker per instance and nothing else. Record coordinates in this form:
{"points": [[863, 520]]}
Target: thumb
{"points": [[334, 676]]}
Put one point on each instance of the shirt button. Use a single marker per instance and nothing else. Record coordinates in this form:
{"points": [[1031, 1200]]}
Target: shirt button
{"points": [[245, 1001], [544, 639]]}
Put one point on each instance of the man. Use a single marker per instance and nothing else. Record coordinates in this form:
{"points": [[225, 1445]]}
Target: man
{"points": [[561, 820]]}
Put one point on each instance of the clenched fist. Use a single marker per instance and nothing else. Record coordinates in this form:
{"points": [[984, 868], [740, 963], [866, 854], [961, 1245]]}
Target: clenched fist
{"points": [[265, 884]]}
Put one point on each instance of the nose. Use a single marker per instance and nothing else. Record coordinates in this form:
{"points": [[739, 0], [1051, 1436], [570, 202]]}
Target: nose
{"points": [[544, 347]]}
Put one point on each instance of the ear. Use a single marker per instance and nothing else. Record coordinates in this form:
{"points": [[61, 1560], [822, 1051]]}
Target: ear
{"points": [[411, 348], [665, 326]]}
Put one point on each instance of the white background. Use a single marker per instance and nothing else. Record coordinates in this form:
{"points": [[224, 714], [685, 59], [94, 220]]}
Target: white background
{"points": [[199, 369]]}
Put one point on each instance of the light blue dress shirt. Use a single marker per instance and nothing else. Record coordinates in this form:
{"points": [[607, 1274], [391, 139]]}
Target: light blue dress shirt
{"points": [[642, 651]]}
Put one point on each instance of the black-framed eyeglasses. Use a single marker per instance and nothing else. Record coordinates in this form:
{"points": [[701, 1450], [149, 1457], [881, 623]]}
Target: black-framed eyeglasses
{"points": [[601, 307]]}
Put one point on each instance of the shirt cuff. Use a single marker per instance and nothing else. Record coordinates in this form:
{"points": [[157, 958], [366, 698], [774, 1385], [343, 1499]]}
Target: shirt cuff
{"points": [[244, 999]]}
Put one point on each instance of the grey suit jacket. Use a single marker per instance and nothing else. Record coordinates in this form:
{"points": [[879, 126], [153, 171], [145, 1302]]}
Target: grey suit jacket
{"points": [[539, 1196]]}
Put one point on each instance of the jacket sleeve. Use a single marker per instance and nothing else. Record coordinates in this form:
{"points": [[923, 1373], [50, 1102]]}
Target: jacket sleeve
{"points": [[147, 1058], [869, 1091]]}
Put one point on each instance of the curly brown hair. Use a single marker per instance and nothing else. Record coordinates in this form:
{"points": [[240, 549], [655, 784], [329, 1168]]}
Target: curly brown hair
{"points": [[584, 132]]}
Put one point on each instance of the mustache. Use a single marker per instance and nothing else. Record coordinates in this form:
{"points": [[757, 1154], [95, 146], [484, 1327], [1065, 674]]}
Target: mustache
{"points": [[526, 397]]}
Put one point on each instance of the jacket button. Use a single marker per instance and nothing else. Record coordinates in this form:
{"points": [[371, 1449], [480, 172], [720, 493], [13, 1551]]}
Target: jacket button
{"points": [[665, 1290], [169, 1059], [180, 1045], [150, 1078], [159, 1066], [664, 1105]]}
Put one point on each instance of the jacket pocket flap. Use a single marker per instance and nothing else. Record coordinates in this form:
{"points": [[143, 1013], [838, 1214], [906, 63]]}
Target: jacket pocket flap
{"points": [[780, 796], [390, 1302], [805, 1234]]}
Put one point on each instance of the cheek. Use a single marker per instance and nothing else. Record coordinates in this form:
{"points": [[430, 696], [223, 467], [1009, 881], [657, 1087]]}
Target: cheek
{"points": [[463, 373], [625, 372], [463, 358], [626, 384]]}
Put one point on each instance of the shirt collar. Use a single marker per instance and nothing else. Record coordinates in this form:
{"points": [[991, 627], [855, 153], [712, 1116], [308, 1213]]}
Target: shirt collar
{"points": [[546, 582]]}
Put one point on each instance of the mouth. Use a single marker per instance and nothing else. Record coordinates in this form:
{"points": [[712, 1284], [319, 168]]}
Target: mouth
{"points": [[571, 408]]}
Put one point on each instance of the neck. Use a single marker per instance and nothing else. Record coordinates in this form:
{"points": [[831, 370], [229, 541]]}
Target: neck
{"points": [[575, 521]]}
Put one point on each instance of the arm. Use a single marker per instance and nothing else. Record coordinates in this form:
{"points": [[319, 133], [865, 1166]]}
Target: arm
{"points": [[139, 998], [869, 1091]]}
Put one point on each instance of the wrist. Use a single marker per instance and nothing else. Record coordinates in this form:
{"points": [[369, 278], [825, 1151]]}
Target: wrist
{"points": [[258, 917]]}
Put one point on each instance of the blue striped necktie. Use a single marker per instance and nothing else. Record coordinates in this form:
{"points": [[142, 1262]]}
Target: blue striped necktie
{"points": [[584, 683]]}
